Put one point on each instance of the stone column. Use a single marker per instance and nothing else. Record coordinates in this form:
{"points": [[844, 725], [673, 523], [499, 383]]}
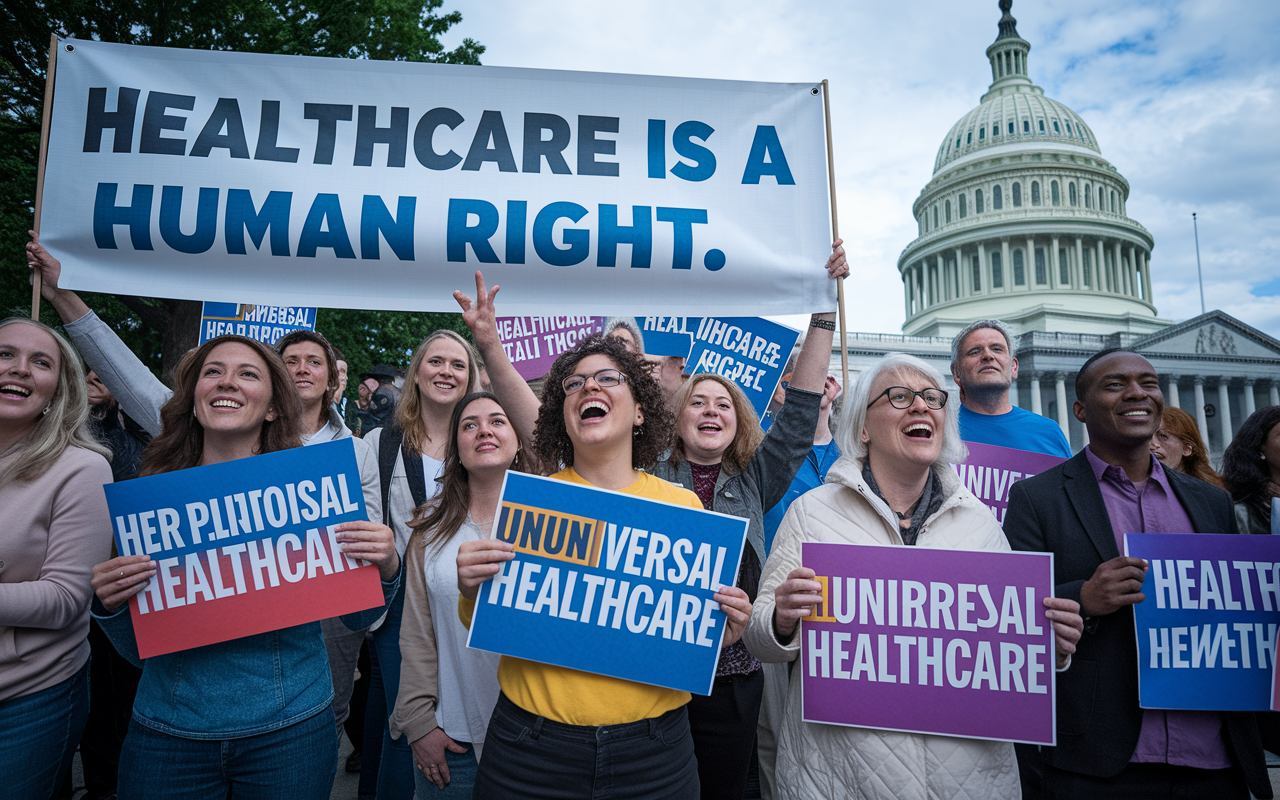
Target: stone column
{"points": [[1250, 405], [1122, 272], [964, 286], [1029, 263], [1079, 270], [1224, 411], [1201, 420], [1055, 269], [1006, 265], [1085, 434], [1146, 275], [928, 284], [984, 268], [1102, 268], [1172, 399], [1275, 394], [1036, 406], [1060, 394], [906, 292]]}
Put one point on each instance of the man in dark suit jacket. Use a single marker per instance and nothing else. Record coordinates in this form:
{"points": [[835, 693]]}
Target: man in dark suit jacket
{"points": [[1107, 745]]}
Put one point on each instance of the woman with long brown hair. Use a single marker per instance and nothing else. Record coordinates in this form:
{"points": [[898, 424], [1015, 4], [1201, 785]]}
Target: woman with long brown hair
{"points": [[411, 453], [250, 716], [1177, 445], [447, 690]]}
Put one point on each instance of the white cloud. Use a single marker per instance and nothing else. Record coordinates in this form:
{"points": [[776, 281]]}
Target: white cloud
{"points": [[1183, 97]]}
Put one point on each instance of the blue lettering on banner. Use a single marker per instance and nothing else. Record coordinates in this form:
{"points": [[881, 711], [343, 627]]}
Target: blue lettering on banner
{"points": [[609, 583]]}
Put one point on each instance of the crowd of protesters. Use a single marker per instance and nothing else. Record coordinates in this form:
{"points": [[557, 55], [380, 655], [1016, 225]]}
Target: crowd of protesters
{"points": [[261, 716]]}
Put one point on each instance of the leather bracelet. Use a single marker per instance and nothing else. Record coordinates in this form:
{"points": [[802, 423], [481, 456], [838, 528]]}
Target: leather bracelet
{"points": [[817, 322]]}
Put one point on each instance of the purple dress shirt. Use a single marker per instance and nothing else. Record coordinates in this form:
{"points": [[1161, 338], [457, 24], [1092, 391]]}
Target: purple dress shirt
{"points": [[1182, 738]]}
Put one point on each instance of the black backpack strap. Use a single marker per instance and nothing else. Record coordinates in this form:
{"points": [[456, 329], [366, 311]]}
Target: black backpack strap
{"points": [[416, 474], [388, 446]]}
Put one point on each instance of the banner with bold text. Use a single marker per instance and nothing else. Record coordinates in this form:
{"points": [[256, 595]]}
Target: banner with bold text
{"points": [[1207, 628], [990, 472], [609, 583], [266, 324], [534, 343], [243, 547], [352, 183], [913, 639]]}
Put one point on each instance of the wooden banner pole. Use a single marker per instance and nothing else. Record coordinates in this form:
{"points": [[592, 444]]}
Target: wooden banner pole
{"points": [[44, 152], [835, 230]]}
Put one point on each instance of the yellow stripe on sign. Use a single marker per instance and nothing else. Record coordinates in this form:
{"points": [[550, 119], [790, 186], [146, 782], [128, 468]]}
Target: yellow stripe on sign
{"points": [[822, 609], [551, 534]]}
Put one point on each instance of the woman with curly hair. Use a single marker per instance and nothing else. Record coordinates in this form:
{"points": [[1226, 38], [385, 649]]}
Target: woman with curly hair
{"points": [[250, 717], [1178, 445], [56, 528], [1251, 469], [603, 419]]}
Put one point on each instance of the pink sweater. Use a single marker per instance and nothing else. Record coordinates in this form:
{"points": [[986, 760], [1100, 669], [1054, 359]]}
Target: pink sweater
{"points": [[53, 530]]}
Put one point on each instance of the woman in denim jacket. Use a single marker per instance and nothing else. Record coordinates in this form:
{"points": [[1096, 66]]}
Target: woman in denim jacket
{"points": [[249, 717]]}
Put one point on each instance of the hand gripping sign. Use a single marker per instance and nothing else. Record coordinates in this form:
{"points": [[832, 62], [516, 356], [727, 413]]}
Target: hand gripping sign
{"points": [[914, 639], [1207, 628], [609, 583], [243, 547]]}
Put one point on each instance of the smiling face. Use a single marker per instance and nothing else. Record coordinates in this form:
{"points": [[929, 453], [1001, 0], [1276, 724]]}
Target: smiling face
{"points": [[985, 363], [708, 423], [1122, 402], [442, 374], [1169, 449], [309, 371], [233, 393], [29, 365], [486, 440], [596, 417], [900, 437]]}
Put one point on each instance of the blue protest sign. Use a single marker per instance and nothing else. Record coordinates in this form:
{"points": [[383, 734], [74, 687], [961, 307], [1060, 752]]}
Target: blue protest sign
{"points": [[1207, 628], [667, 336], [264, 324], [243, 547], [609, 583]]}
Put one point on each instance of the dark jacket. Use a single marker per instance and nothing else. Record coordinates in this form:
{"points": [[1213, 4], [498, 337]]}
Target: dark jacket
{"points": [[1062, 511]]}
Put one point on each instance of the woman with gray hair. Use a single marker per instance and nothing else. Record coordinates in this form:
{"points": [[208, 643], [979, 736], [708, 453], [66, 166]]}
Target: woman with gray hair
{"points": [[893, 485]]}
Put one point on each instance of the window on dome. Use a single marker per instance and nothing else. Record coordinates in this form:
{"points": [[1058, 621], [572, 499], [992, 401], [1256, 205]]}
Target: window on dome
{"points": [[957, 142], [1113, 202], [1035, 193], [935, 216], [1088, 267], [1042, 276], [947, 211], [1088, 197], [1010, 127], [997, 272], [1019, 273], [977, 274], [1064, 271], [1071, 194], [977, 202], [997, 200], [1067, 125], [1055, 194], [1017, 195], [968, 138], [964, 206], [982, 133], [1041, 126], [1057, 131]]}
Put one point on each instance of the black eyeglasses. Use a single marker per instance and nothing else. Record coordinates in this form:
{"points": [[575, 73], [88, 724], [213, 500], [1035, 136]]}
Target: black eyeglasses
{"points": [[605, 379], [902, 397]]}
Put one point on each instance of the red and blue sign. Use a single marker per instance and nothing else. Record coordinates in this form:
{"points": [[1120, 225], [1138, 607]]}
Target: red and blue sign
{"points": [[1207, 628], [243, 547], [609, 583], [918, 640]]}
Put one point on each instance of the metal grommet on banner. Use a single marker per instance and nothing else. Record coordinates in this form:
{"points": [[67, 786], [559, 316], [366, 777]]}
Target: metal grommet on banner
{"points": [[71, 48], [815, 91]]}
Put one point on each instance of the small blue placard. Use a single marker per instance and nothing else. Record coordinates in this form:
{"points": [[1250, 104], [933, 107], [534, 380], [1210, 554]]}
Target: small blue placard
{"points": [[609, 583], [266, 324]]}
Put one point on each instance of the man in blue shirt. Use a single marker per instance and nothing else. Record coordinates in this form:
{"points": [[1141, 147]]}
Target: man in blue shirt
{"points": [[983, 365]]}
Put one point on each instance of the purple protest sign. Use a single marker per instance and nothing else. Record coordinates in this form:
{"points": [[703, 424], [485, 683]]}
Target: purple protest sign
{"points": [[533, 343], [918, 640], [990, 472]]}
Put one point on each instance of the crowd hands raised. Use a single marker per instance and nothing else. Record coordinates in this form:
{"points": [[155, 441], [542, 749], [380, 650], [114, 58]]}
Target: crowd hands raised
{"points": [[220, 722]]}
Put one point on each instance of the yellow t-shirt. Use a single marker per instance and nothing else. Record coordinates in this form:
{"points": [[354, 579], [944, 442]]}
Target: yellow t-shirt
{"points": [[581, 698]]}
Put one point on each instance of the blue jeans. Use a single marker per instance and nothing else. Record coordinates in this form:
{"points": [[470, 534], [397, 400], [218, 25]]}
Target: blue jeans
{"points": [[527, 757], [395, 769], [297, 762], [462, 777], [38, 736]]}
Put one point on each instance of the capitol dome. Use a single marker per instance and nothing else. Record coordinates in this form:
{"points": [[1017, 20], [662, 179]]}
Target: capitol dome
{"points": [[1024, 220]]}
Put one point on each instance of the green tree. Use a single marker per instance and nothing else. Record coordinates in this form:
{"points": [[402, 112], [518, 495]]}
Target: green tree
{"points": [[160, 331]]}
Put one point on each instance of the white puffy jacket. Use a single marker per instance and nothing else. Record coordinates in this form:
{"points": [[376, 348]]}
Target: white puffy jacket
{"points": [[830, 761]]}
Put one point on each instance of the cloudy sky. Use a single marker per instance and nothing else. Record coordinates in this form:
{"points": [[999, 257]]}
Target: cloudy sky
{"points": [[1184, 98]]}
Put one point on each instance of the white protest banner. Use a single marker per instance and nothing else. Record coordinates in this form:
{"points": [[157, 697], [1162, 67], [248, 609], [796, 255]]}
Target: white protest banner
{"points": [[344, 183]]}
